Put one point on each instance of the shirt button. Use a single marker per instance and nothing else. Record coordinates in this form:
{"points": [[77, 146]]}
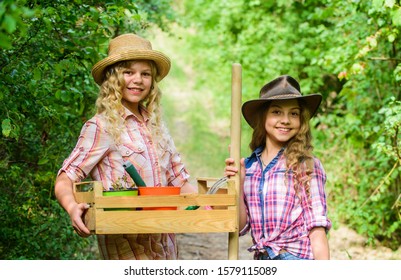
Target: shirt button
{"points": [[127, 152], [156, 163]]}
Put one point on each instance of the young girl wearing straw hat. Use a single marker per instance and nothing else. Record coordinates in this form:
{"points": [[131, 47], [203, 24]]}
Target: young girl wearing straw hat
{"points": [[282, 184], [127, 126]]}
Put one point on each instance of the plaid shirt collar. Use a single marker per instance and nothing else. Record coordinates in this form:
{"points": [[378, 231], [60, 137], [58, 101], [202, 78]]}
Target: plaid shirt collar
{"points": [[256, 154], [142, 109]]}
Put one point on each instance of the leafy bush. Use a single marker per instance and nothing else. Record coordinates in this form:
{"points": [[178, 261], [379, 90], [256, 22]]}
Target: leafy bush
{"points": [[47, 50]]}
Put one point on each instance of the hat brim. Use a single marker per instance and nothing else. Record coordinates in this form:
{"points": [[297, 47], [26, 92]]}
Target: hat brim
{"points": [[251, 109], [162, 62]]}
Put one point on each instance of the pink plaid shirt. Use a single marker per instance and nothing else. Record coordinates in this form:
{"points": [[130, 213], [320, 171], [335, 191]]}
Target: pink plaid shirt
{"points": [[97, 156], [276, 217]]}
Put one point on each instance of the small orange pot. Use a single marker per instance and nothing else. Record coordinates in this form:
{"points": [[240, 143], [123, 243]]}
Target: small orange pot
{"points": [[159, 191]]}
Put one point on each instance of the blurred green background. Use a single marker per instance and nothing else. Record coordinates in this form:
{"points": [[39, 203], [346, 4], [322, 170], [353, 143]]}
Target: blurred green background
{"points": [[348, 51]]}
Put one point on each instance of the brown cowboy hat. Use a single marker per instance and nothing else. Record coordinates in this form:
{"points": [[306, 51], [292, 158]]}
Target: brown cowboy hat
{"points": [[131, 47], [282, 88]]}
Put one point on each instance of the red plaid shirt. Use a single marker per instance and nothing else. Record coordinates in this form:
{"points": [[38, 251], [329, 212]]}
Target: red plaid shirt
{"points": [[276, 217], [96, 155]]}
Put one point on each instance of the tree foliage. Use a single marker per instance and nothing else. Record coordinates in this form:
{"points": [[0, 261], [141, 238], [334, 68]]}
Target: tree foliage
{"points": [[347, 50], [46, 54]]}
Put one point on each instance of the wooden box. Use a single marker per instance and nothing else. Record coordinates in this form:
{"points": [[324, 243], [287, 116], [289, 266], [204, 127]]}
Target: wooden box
{"points": [[222, 218]]}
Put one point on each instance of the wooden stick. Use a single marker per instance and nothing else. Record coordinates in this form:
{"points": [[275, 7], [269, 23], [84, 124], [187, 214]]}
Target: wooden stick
{"points": [[235, 149]]}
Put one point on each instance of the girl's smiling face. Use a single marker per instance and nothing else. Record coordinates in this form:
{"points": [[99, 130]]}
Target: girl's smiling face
{"points": [[283, 121], [138, 82]]}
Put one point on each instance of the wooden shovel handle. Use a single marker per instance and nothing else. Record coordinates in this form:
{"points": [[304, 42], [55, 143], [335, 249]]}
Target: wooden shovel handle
{"points": [[235, 149], [236, 92]]}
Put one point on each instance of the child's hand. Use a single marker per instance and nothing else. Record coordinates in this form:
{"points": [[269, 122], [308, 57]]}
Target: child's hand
{"points": [[230, 169], [76, 214]]}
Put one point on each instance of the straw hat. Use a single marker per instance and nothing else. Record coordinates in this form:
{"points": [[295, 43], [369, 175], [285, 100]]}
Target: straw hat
{"points": [[282, 88], [130, 47]]}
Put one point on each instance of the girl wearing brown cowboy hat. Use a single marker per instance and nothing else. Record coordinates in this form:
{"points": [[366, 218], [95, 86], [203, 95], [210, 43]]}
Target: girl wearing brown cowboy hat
{"points": [[126, 127], [282, 186]]}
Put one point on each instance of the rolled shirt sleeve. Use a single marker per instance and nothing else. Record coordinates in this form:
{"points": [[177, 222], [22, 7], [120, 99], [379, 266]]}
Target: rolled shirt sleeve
{"points": [[315, 213]]}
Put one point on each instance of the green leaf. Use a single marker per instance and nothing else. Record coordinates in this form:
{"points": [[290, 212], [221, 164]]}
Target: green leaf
{"points": [[5, 41], [6, 127], [391, 37], [396, 17], [43, 161], [9, 24], [389, 3], [377, 4], [37, 74]]}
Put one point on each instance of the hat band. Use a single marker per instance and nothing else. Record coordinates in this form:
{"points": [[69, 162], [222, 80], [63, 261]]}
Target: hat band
{"points": [[121, 49], [282, 96]]}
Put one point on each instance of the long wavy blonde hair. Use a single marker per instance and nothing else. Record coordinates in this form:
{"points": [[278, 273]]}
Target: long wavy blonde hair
{"points": [[298, 151], [110, 106]]}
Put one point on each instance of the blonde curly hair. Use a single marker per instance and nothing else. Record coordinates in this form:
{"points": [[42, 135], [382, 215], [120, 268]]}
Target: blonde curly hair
{"points": [[298, 151], [110, 106]]}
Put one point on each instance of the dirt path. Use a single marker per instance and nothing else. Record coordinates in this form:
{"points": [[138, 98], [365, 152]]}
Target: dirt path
{"points": [[345, 244]]}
